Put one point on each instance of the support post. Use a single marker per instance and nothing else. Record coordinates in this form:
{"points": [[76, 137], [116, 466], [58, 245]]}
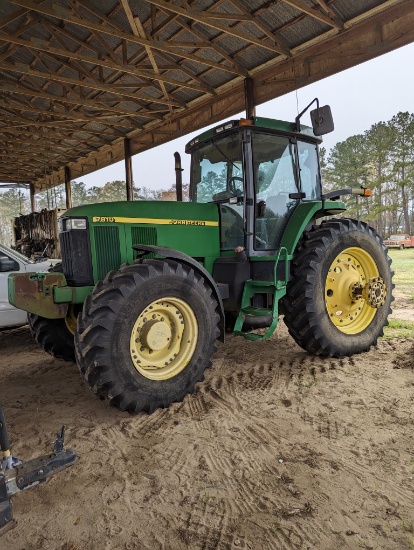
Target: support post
{"points": [[249, 97], [128, 170], [178, 177], [68, 189], [32, 198]]}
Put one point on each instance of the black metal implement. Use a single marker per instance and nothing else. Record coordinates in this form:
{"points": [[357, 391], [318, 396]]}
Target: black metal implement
{"points": [[16, 476]]}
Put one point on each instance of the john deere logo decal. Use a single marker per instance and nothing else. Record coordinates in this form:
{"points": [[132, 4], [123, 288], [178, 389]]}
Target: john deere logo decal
{"points": [[155, 221]]}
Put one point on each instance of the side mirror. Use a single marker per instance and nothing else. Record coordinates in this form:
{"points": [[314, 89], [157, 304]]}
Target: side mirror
{"points": [[322, 121], [8, 265]]}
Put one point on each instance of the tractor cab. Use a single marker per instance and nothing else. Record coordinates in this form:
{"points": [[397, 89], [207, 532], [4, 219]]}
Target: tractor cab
{"points": [[257, 171]]}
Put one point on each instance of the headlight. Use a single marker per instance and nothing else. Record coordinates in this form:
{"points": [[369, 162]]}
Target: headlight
{"points": [[75, 223]]}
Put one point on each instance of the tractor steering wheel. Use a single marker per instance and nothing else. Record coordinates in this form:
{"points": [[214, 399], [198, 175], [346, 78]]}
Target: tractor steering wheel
{"points": [[232, 187]]}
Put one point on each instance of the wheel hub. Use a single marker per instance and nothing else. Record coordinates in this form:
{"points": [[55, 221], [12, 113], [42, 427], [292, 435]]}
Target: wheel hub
{"points": [[353, 290], [163, 338], [375, 292], [155, 334]]}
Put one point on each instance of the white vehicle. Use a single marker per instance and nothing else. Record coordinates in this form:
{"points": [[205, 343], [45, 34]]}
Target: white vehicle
{"points": [[10, 262]]}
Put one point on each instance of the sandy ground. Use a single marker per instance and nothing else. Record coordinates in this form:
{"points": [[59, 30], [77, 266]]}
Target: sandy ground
{"points": [[275, 450]]}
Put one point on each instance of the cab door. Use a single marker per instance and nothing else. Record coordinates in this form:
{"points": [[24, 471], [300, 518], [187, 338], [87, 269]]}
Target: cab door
{"points": [[275, 185]]}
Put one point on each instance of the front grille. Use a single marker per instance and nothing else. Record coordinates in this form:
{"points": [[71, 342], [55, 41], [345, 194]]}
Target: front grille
{"points": [[108, 254], [76, 257]]}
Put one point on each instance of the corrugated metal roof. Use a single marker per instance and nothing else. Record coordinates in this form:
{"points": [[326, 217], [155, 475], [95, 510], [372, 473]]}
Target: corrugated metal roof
{"points": [[83, 75]]}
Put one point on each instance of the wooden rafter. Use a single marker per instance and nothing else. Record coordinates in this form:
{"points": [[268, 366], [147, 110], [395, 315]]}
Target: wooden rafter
{"points": [[44, 46], [9, 86], [27, 70], [77, 77], [201, 17], [138, 30], [316, 14], [67, 15]]}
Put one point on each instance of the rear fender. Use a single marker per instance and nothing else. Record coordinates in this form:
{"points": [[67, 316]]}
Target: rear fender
{"points": [[173, 254]]}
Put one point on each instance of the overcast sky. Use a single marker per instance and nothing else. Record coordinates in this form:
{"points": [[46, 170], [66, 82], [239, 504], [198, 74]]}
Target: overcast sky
{"points": [[359, 97]]}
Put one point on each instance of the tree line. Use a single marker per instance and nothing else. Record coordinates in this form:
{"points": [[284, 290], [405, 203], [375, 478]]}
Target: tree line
{"points": [[15, 202], [382, 159]]}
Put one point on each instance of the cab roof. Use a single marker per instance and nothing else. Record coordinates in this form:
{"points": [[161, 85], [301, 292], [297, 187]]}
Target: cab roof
{"points": [[258, 123]]}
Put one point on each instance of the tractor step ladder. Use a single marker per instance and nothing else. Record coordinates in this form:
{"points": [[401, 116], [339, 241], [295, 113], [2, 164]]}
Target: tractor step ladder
{"points": [[275, 287]]}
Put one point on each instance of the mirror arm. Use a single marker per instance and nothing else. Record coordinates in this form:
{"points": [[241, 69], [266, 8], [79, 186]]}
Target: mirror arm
{"points": [[297, 119]]}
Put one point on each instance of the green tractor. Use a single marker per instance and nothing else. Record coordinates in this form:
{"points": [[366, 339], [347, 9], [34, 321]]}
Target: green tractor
{"points": [[146, 288]]}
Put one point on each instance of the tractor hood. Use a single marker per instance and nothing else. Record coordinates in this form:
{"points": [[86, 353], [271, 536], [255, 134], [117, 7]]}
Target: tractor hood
{"points": [[112, 229], [148, 212]]}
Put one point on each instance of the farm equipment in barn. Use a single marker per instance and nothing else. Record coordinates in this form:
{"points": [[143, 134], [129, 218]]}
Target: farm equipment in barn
{"points": [[36, 235], [17, 476], [146, 288]]}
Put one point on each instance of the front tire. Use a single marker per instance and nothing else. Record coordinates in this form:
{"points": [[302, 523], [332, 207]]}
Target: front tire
{"points": [[338, 299], [55, 336], [146, 334]]}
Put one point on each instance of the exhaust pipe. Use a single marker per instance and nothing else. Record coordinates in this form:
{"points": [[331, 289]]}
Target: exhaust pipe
{"points": [[178, 177]]}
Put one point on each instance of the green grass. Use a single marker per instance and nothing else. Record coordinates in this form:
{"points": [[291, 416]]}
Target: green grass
{"points": [[403, 266], [399, 329]]}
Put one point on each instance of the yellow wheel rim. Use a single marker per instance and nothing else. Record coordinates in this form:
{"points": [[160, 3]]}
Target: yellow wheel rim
{"points": [[353, 290], [163, 338], [71, 319]]}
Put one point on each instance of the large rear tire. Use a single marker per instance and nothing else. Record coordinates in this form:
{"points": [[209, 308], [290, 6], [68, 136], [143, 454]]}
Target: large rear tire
{"points": [[338, 299], [146, 334], [55, 336]]}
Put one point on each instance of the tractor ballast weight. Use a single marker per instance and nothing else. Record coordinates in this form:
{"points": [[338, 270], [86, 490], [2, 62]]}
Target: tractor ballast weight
{"points": [[146, 288]]}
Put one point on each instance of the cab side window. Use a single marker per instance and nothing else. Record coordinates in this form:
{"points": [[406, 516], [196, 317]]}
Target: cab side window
{"points": [[274, 167], [309, 170]]}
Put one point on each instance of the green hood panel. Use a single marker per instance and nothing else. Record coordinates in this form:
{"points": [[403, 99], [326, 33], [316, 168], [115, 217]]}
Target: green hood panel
{"points": [[170, 210], [192, 228]]}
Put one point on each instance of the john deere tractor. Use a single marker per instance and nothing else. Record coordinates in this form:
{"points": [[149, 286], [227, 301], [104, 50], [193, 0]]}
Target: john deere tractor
{"points": [[146, 288]]}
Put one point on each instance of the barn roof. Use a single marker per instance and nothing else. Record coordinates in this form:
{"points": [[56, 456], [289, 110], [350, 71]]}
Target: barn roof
{"points": [[78, 77]]}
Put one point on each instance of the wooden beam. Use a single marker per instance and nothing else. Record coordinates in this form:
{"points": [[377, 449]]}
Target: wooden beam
{"points": [[32, 198], [385, 31], [43, 45], [116, 120], [25, 69], [8, 86], [5, 20], [128, 171], [68, 189], [249, 97], [67, 15], [200, 17], [138, 30], [316, 14]]}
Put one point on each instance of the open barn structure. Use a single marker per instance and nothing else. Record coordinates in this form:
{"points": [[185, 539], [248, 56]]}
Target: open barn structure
{"points": [[87, 83]]}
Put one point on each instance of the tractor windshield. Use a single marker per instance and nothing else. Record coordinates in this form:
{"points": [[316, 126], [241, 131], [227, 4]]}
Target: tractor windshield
{"points": [[217, 171], [217, 176]]}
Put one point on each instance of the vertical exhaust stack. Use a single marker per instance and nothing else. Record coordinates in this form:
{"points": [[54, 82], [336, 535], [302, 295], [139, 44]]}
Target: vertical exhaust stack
{"points": [[178, 177]]}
